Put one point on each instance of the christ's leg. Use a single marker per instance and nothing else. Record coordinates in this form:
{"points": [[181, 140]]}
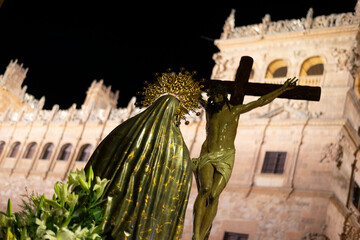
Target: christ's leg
{"points": [[205, 177], [211, 210]]}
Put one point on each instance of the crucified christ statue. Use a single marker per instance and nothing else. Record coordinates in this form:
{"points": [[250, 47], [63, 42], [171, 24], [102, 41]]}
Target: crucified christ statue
{"points": [[214, 166]]}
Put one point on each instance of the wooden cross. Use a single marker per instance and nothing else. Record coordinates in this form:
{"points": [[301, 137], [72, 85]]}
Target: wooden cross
{"points": [[241, 87]]}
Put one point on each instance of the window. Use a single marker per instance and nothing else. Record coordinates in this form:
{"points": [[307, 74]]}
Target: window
{"points": [[356, 195], [277, 69], [84, 153], [274, 162], [65, 152], [14, 150], [315, 70], [280, 72], [313, 66], [47, 150], [235, 236], [30, 150], [2, 145]]}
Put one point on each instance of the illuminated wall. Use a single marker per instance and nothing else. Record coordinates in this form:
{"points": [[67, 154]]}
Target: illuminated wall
{"points": [[291, 178]]}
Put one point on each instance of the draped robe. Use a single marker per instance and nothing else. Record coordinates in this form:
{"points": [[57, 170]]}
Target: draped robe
{"points": [[149, 168]]}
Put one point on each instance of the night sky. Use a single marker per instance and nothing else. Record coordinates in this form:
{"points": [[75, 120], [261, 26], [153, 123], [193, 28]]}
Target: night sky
{"points": [[68, 44]]}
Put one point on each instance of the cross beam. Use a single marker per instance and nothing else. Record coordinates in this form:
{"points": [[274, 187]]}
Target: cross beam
{"points": [[241, 87]]}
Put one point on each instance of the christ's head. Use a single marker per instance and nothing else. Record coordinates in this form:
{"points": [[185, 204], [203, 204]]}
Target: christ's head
{"points": [[217, 98]]}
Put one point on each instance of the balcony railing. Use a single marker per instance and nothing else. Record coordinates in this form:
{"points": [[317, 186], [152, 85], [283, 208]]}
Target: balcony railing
{"points": [[314, 81]]}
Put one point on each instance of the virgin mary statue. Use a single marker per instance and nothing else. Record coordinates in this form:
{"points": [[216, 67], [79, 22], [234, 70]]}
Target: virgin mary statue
{"points": [[148, 164]]}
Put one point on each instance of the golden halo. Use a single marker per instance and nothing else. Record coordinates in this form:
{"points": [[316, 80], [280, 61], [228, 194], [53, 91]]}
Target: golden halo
{"points": [[181, 85]]}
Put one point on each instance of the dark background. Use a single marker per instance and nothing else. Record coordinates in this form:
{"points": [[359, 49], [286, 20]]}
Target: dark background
{"points": [[68, 44]]}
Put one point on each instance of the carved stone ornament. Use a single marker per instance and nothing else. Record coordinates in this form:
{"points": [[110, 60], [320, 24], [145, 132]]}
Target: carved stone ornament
{"points": [[345, 58], [292, 25], [315, 236], [350, 232], [333, 152]]}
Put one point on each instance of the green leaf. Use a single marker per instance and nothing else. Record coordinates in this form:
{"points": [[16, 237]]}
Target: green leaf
{"points": [[8, 209], [62, 192], [90, 175], [65, 234], [50, 235], [9, 234], [53, 203], [78, 178], [97, 213], [24, 235], [84, 185], [100, 186], [72, 200], [41, 203], [80, 212], [40, 231], [81, 232]]}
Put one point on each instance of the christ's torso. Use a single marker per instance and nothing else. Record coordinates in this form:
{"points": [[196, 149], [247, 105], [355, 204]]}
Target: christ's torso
{"points": [[221, 130]]}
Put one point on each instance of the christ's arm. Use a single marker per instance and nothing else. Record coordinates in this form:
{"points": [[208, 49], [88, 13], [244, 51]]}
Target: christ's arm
{"points": [[266, 99]]}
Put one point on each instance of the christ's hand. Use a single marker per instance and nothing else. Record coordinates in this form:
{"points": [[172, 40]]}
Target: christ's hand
{"points": [[290, 83]]}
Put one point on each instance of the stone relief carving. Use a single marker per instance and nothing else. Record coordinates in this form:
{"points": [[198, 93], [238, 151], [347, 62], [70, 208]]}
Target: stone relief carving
{"points": [[14, 116], [61, 115], [222, 67], [315, 236], [72, 114], [120, 115], [286, 26], [250, 30], [43, 115], [77, 116], [333, 152], [97, 115], [269, 27], [350, 231], [344, 58], [33, 102], [347, 60], [29, 117]]}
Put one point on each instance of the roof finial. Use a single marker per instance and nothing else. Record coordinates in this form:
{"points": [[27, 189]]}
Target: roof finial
{"points": [[229, 26], [309, 17]]}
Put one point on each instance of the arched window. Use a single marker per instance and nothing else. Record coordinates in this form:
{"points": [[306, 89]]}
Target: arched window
{"points": [[313, 66], [30, 150], [277, 69], [47, 150], [14, 150], [2, 145], [84, 153], [65, 152]]}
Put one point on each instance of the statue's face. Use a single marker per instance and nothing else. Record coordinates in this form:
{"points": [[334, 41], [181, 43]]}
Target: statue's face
{"points": [[218, 98]]}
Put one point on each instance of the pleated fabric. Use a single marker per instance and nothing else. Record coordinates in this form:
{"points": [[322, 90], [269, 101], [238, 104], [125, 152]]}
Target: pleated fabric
{"points": [[148, 165]]}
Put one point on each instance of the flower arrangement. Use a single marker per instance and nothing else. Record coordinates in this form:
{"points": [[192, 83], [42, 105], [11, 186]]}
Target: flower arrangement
{"points": [[76, 211]]}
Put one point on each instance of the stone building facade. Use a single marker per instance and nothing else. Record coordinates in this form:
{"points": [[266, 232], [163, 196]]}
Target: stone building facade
{"points": [[295, 174]]}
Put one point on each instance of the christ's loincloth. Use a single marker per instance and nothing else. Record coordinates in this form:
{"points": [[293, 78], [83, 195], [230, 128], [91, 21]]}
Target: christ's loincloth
{"points": [[223, 162]]}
